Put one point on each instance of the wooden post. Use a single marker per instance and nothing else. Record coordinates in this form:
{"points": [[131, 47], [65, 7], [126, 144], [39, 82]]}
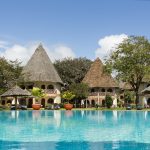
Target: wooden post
{"points": [[15, 102], [86, 103], [98, 99], [75, 104]]}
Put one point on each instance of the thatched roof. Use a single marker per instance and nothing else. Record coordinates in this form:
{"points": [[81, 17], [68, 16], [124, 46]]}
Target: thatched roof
{"points": [[40, 68], [146, 90], [96, 77], [16, 91], [125, 86]]}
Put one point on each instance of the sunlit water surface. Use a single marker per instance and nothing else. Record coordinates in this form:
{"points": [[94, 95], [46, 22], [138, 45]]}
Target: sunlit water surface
{"points": [[74, 130]]}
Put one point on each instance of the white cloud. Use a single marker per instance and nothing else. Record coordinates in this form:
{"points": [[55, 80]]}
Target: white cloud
{"points": [[19, 52], [60, 52], [23, 53], [107, 44]]}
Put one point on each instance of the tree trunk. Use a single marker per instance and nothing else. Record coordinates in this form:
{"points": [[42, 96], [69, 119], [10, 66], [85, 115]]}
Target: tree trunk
{"points": [[136, 98]]}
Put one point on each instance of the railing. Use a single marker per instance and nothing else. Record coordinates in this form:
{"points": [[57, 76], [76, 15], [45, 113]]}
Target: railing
{"points": [[50, 91]]}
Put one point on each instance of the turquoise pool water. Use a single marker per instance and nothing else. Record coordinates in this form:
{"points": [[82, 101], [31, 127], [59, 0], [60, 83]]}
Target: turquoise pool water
{"points": [[75, 130]]}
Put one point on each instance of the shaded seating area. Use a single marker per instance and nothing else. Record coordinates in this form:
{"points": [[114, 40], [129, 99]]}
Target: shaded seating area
{"points": [[16, 92], [146, 94], [21, 107], [146, 91]]}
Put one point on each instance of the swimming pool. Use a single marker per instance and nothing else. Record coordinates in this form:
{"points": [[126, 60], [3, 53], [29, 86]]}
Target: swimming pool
{"points": [[74, 130]]}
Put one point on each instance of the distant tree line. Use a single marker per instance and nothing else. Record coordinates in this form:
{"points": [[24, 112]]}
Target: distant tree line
{"points": [[72, 70]]}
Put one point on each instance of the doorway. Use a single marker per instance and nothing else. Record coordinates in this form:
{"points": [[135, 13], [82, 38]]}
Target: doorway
{"points": [[43, 102], [30, 102]]}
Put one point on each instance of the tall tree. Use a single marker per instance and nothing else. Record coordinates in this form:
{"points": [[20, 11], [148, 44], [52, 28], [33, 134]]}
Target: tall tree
{"points": [[131, 61], [9, 73], [80, 90], [72, 70]]}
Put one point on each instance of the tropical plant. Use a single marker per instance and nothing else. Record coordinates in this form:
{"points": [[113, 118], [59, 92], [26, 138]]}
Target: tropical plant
{"points": [[68, 95], [38, 93], [108, 101]]}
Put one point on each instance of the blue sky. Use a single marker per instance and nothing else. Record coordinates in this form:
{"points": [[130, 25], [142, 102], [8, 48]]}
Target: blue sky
{"points": [[78, 25]]}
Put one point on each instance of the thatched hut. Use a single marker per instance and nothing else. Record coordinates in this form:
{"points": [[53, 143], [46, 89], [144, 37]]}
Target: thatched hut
{"points": [[15, 92], [40, 72], [146, 90], [145, 96], [100, 83], [125, 86]]}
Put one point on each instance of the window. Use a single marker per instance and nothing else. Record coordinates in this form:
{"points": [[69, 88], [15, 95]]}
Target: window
{"points": [[42, 86], [50, 101], [50, 87], [92, 90], [103, 90], [30, 87], [109, 90], [93, 103]]}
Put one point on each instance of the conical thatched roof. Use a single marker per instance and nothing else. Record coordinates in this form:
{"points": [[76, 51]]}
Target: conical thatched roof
{"points": [[96, 77], [146, 90], [40, 68], [16, 91]]}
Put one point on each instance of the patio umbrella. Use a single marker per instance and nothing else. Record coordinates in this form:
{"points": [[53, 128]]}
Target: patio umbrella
{"points": [[13, 102], [15, 92], [115, 101]]}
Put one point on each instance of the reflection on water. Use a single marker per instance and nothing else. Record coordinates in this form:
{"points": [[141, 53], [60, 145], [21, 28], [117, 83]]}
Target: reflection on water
{"points": [[68, 113], [88, 130], [14, 114], [74, 145]]}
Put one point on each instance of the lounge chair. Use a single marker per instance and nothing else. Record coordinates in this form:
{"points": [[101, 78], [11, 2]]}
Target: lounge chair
{"points": [[23, 107], [12, 107], [139, 107], [128, 107]]}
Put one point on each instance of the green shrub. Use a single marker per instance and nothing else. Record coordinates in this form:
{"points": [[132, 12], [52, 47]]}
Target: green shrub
{"points": [[61, 105], [129, 97], [49, 106], [108, 101]]}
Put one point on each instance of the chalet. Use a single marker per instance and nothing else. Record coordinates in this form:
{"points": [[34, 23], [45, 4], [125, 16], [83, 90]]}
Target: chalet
{"points": [[100, 84], [40, 72]]}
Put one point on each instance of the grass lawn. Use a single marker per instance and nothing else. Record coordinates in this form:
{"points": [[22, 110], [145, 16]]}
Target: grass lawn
{"points": [[93, 108]]}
